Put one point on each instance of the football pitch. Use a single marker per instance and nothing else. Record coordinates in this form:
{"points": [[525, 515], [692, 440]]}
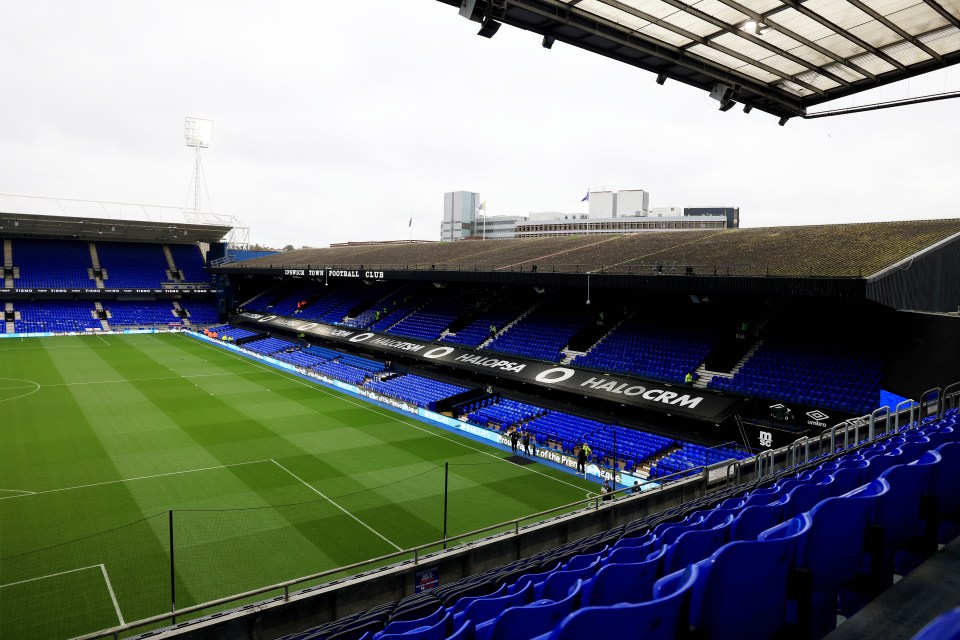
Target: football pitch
{"points": [[111, 446]]}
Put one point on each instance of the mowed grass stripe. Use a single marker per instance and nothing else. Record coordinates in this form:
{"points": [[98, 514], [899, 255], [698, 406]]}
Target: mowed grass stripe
{"points": [[55, 444], [145, 402], [328, 538]]}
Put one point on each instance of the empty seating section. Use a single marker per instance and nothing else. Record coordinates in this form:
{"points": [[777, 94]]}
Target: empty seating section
{"points": [[651, 350], [334, 306], [133, 265], [380, 309], [286, 304], [146, 312], [398, 309], [428, 322], [189, 262], [567, 432], [268, 346], [498, 315], [201, 311], [415, 389], [759, 564], [691, 456], [52, 264], [226, 331], [503, 413], [55, 316], [796, 374], [541, 334]]}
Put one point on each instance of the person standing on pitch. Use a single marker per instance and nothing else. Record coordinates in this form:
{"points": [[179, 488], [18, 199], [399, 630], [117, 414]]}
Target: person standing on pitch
{"points": [[582, 460], [514, 437], [526, 442]]}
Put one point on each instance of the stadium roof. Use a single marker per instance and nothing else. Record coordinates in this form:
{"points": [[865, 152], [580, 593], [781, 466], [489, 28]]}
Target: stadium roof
{"points": [[779, 56], [88, 228], [835, 251]]}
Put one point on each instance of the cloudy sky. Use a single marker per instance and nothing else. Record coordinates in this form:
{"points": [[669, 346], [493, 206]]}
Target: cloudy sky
{"points": [[338, 121]]}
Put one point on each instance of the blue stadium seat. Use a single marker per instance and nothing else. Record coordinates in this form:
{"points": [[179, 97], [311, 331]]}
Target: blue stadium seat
{"points": [[945, 627], [657, 619]]}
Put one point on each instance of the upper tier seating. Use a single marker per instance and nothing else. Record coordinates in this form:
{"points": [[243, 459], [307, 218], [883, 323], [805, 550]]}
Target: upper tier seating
{"points": [[52, 264], [133, 265], [801, 374], [651, 350], [542, 333], [189, 261]]}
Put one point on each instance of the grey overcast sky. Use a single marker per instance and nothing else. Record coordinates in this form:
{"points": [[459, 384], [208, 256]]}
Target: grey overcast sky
{"points": [[338, 121]]}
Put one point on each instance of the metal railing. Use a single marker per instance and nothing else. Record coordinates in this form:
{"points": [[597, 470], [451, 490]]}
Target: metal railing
{"points": [[412, 556]]}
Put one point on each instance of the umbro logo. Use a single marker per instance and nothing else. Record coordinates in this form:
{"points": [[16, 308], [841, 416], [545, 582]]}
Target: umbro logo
{"points": [[817, 415]]}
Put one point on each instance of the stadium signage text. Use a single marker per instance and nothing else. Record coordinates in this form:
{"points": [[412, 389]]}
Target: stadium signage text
{"points": [[681, 401], [333, 273]]}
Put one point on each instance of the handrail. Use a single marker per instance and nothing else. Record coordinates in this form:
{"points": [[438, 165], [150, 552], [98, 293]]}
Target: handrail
{"points": [[595, 502]]}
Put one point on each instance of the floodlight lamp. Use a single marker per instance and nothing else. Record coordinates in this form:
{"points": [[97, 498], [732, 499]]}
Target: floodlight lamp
{"points": [[198, 132], [753, 27]]}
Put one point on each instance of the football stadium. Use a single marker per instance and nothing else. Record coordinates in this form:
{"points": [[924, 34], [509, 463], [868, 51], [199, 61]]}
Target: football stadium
{"points": [[689, 432]]}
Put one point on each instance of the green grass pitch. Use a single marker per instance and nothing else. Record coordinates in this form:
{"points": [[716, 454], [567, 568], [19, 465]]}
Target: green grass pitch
{"points": [[270, 477]]}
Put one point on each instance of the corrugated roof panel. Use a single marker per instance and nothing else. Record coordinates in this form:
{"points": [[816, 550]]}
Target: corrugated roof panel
{"points": [[839, 12], [761, 6], [720, 11], [944, 41], [602, 10], [802, 25], [664, 35], [760, 54], [655, 8], [908, 55], [876, 34], [918, 19], [735, 64], [872, 63], [691, 23]]}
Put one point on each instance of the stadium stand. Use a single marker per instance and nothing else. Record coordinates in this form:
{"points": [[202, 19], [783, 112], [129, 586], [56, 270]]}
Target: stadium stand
{"points": [[133, 265], [200, 311], [189, 262], [415, 389], [542, 333], [804, 373], [55, 316], [52, 264], [650, 349], [798, 550], [141, 313]]}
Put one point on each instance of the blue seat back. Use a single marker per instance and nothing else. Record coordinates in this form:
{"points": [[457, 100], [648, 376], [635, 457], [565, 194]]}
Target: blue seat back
{"points": [[658, 619]]}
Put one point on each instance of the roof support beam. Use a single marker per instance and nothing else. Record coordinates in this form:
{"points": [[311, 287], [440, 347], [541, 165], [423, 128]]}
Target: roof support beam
{"points": [[765, 19], [949, 17], [897, 30], [798, 6], [708, 42], [561, 13]]}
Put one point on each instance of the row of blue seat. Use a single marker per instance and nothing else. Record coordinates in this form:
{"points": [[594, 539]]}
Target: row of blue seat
{"points": [[823, 540]]}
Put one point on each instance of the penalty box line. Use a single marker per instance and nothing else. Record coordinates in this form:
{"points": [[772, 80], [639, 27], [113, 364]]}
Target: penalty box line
{"points": [[103, 571], [157, 475], [330, 500]]}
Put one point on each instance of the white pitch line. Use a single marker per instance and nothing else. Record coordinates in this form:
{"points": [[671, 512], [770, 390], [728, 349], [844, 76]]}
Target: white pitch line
{"points": [[113, 596], [50, 575], [108, 344], [369, 407], [330, 500], [158, 475], [16, 491], [88, 382]]}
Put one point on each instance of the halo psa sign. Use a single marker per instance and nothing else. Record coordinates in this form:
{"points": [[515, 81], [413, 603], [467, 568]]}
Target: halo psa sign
{"points": [[639, 393]]}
